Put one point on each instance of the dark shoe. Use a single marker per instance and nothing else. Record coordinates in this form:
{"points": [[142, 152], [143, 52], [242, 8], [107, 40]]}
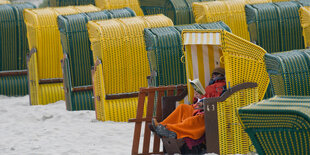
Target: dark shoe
{"points": [[162, 131], [152, 128]]}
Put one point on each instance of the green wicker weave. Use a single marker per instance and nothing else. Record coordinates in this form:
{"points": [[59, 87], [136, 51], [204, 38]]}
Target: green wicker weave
{"points": [[180, 11], [57, 3], [280, 125], [78, 59], [275, 26], [13, 49], [289, 72], [164, 49]]}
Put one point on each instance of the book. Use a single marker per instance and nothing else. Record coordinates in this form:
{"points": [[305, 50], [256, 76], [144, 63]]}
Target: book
{"points": [[196, 84]]}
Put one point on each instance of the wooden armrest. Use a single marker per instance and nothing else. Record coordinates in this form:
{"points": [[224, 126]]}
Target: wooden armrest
{"points": [[211, 118], [121, 96], [229, 92], [82, 88], [13, 73], [52, 80]]}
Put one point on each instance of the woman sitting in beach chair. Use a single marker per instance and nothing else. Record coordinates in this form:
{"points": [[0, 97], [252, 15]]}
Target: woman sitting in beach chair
{"points": [[187, 121]]}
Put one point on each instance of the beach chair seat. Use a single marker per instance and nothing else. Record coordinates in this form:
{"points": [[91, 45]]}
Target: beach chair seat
{"points": [[243, 62], [121, 65], [279, 125], [58, 3], [304, 13], [13, 49], [119, 4], [289, 72], [44, 67], [231, 13], [179, 11], [164, 49], [275, 26], [78, 58]]}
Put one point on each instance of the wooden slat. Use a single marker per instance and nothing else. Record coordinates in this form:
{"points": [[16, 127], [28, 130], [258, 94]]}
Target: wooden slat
{"points": [[149, 113], [120, 96], [13, 73], [82, 88], [48, 81], [137, 132]]}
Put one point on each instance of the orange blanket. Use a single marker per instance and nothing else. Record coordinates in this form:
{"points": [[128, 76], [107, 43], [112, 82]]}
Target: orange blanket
{"points": [[184, 124]]}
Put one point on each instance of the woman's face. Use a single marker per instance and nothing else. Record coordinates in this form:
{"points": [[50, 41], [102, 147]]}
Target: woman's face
{"points": [[197, 95], [215, 75]]}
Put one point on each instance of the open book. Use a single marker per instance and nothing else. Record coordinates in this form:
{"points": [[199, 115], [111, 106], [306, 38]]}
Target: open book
{"points": [[197, 86]]}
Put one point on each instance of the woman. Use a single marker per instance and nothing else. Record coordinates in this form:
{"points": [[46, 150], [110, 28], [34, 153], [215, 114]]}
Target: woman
{"points": [[188, 120]]}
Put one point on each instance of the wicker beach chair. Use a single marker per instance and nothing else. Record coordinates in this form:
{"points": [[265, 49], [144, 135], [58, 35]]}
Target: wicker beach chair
{"points": [[243, 62], [13, 49], [120, 68], [275, 26], [305, 24], [44, 67], [289, 72], [58, 3], [279, 125], [231, 13], [119, 4], [164, 46], [78, 59], [180, 11]]}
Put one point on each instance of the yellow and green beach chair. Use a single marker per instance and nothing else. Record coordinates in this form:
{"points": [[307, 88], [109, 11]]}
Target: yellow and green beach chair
{"points": [[78, 59], [243, 62], [44, 67], [120, 64]]}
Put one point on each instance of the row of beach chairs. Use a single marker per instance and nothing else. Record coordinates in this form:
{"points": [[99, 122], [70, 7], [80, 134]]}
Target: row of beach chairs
{"points": [[98, 59]]}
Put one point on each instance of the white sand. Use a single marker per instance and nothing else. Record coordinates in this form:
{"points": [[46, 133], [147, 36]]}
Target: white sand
{"points": [[51, 129]]}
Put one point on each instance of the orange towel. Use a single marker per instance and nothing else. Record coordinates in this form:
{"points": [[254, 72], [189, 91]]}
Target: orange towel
{"points": [[184, 124]]}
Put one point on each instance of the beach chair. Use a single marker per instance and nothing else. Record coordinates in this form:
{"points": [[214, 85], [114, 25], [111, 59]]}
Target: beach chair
{"points": [[119, 4], [289, 72], [279, 125], [13, 49], [78, 59], [275, 26], [243, 62], [57, 3], [304, 13], [164, 49], [120, 64], [180, 11], [231, 13], [44, 67]]}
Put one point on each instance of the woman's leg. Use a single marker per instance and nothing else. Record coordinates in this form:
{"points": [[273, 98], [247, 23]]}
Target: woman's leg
{"points": [[192, 127], [182, 112]]}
